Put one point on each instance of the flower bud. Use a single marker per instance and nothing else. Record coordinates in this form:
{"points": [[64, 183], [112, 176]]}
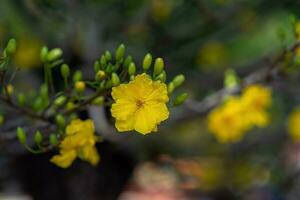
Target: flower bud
{"points": [[132, 77], [171, 87], [100, 75], [1, 119], [44, 54], [77, 76], [107, 56], [38, 137], [131, 69], [59, 101], [180, 99], [11, 47], [147, 61], [108, 84], [103, 60], [178, 80], [70, 105], [65, 71], [98, 101], [80, 86], [53, 139], [162, 76], [60, 120], [21, 135], [44, 91], [54, 54], [115, 79], [158, 66], [9, 89], [96, 66], [120, 52], [21, 99], [127, 61]]}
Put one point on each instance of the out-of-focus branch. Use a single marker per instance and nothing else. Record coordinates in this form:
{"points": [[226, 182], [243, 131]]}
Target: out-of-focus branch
{"points": [[264, 76]]}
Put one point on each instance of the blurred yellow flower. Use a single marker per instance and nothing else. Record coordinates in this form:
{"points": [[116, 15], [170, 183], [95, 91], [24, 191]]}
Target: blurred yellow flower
{"points": [[161, 10], [226, 121], [212, 55], [79, 141], [256, 99], [140, 105], [297, 30], [238, 114], [294, 124], [28, 53]]}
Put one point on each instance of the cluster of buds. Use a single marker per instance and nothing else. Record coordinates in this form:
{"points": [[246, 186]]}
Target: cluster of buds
{"points": [[53, 106]]}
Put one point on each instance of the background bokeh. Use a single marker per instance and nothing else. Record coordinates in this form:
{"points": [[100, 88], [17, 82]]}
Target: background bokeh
{"points": [[199, 38]]}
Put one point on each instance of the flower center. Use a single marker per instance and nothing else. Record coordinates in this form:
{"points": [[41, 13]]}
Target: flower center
{"points": [[139, 103]]}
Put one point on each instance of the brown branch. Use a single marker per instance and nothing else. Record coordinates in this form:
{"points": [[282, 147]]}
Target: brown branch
{"points": [[264, 75]]}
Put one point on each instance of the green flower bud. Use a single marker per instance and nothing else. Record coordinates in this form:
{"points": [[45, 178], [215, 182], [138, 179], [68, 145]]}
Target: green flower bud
{"points": [[171, 87], [65, 71], [162, 76], [178, 80], [53, 139], [158, 66], [115, 79], [60, 120], [44, 54], [127, 61], [70, 105], [21, 135], [147, 61], [11, 47], [120, 52], [103, 61], [38, 103], [54, 54], [180, 99], [59, 101], [108, 84], [21, 99], [77, 76], [132, 77], [44, 91], [131, 69], [1, 119], [107, 56], [38, 137], [96, 66], [98, 101]]}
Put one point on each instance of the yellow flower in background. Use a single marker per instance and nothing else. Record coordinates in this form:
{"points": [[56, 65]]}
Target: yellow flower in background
{"points": [[230, 121], [256, 99], [297, 30], [226, 122], [212, 55], [28, 53], [161, 10], [140, 105], [79, 142], [294, 125]]}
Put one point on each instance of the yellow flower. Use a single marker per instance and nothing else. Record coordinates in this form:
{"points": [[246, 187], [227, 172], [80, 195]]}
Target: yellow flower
{"points": [[79, 141], [256, 99], [294, 124], [230, 121], [140, 105], [226, 121]]}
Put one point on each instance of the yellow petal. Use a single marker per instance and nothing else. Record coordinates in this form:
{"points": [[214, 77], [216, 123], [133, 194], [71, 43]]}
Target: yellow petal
{"points": [[125, 125], [159, 93], [64, 159], [90, 154], [118, 92], [122, 109]]}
